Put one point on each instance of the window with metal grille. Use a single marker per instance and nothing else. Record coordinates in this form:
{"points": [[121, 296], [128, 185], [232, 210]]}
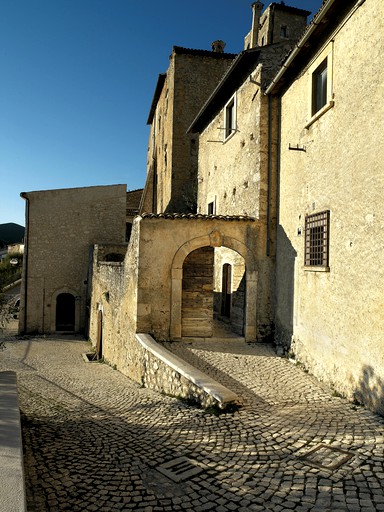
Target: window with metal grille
{"points": [[317, 240]]}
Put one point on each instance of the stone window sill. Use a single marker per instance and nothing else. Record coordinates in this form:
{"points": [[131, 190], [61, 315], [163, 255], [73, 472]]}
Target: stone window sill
{"points": [[308, 268], [319, 113]]}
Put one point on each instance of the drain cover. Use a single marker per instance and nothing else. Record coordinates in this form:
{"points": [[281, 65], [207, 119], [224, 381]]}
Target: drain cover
{"points": [[327, 457], [180, 469]]}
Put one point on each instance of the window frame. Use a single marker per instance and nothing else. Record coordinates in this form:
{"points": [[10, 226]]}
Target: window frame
{"points": [[324, 59], [316, 241], [319, 86], [283, 31], [230, 118]]}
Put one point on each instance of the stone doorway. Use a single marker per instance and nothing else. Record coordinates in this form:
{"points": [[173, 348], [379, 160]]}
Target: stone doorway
{"points": [[65, 312]]}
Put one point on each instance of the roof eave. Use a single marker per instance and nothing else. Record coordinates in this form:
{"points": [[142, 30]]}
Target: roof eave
{"points": [[318, 21], [224, 85], [156, 96]]}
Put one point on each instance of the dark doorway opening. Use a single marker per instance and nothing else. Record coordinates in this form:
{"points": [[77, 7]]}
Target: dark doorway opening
{"points": [[65, 312], [226, 291]]}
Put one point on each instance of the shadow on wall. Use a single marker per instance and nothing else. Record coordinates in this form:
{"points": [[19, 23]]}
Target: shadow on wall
{"points": [[285, 279], [370, 390]]}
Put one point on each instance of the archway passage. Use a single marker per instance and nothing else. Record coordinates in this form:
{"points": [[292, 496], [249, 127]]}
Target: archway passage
{"points": [[197, 294], [230, 289], [65, 312]]}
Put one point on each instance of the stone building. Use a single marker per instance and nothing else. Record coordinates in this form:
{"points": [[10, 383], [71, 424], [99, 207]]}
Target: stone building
{"points": [[330, 277], [235, 159], [261, 207], [184, 271], [60, 227], [172, 154]]}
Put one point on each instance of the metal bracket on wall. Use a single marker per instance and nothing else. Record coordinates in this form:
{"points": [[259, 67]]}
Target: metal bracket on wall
{"points": [[298, 147]]}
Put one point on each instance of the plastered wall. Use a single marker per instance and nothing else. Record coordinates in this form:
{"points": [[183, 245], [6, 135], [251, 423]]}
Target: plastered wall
{"points": [[333, 321]]}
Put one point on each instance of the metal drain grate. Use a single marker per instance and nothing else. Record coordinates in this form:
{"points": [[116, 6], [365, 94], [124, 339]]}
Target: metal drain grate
{"points": [[327, 457], [180, 469]]}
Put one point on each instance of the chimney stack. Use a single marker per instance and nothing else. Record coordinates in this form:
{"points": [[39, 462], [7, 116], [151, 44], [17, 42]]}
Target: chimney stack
{"points": [[218, 46], [257, 7]]}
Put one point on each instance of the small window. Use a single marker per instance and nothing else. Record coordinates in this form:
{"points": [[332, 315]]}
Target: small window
{"points": [[230, 118], [317, 240], [284, 31], [211, 208], [319, 86]]}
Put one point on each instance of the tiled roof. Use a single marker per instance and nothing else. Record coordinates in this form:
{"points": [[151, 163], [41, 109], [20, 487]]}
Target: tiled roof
{"points": [[195, 216], [206, 53]]}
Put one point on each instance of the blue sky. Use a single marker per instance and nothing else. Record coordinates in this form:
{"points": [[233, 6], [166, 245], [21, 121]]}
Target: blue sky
{"points": [[77, 80]]}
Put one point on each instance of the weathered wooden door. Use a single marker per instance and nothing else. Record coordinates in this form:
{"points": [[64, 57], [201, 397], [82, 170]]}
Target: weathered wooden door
{"points": [[197, 294]]}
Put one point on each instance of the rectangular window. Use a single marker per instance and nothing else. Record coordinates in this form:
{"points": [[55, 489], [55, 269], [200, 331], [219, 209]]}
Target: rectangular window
{"points": [[230, 118], [319, 87], [212, 208], [317, 240], [283, 31]]}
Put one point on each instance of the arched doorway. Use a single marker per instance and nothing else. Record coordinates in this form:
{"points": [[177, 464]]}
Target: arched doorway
{"points": [[65, 312], [248, 286], [230, 289]]}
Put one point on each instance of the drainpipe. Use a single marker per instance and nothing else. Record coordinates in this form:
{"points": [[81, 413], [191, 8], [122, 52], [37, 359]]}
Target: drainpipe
{"points": [[269, 176], [25, 259]]}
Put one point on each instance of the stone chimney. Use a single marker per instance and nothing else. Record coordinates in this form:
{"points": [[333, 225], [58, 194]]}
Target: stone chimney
{"points": [[257, 7], [218, 46]]}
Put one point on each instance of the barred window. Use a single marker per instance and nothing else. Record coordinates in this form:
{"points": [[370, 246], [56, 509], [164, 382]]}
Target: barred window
{"points": [[317, 240]]}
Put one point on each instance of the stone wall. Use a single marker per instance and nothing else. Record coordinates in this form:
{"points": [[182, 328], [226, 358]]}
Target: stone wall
{"points": [[114, 294], [334, 318], [277, 16], [166, 373], [61, 225], [144, 293], [172, 153]]}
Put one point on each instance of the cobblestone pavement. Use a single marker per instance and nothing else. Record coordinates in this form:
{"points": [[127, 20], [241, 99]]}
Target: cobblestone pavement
{"points": [[96, 441]]}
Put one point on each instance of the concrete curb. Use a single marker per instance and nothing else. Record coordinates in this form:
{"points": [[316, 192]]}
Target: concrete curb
{"points": [[12, 488]]}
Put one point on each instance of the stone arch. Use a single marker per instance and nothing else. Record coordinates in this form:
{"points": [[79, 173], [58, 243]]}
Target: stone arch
{"points": [[214, 239], [76, 302]]}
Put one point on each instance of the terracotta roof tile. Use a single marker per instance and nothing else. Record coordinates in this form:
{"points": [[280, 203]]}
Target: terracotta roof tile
{"points": [[195, 216]]}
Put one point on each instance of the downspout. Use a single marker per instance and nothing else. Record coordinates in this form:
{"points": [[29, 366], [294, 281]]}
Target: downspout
{"points": [[271, 170], [25, 260], [269, 177]]}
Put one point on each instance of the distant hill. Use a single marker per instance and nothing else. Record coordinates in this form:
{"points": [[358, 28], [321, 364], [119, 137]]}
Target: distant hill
{"points": [[11, 233]]}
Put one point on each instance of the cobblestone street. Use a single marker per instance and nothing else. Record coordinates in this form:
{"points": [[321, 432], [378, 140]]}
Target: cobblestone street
{"points": [[96, 441]]}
